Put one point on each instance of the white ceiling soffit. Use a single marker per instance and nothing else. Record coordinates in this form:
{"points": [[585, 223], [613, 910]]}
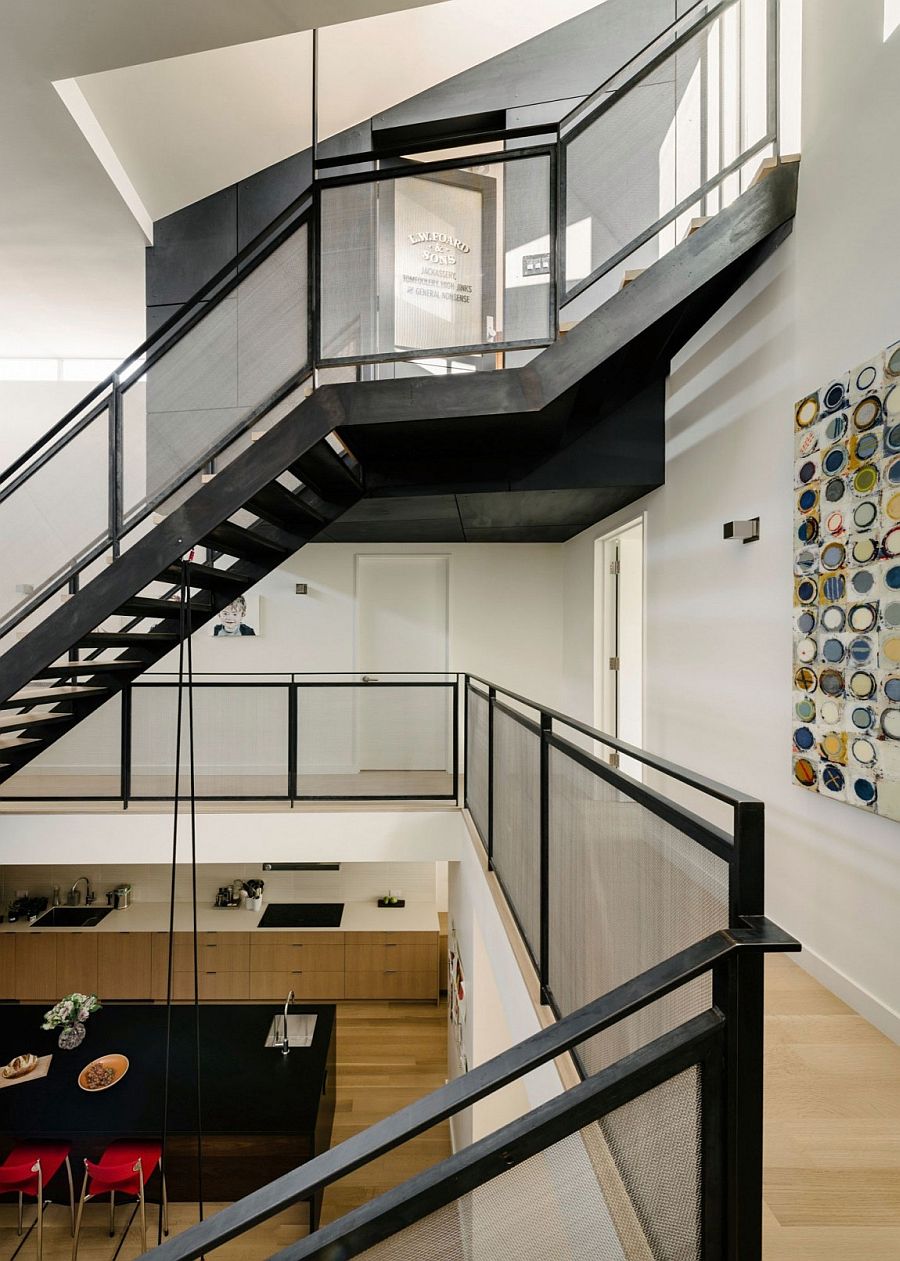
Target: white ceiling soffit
{"points": [[71, 252], [172, 131]]}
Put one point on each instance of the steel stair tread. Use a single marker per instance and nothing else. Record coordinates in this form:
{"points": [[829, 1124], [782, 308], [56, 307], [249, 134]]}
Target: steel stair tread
{"points": [[325, 472], [277, 504], [152, 606], [13, 722], [207, 576], [237, 541], [127, 639]]}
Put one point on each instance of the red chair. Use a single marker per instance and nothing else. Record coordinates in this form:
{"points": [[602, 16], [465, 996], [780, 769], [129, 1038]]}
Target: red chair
{"points": [[29, 1169], [123, 1167]]}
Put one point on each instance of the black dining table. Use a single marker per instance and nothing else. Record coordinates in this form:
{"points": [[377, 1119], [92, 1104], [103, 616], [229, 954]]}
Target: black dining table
{"points": [[259, 1113]]}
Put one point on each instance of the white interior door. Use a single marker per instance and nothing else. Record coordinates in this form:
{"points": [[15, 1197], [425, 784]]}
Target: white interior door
{"points": [[619, 666], [402, 625]]}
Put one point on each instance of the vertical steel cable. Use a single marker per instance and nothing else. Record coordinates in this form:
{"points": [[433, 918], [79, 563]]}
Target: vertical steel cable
{"points": [[193, 799], [182, 623]]}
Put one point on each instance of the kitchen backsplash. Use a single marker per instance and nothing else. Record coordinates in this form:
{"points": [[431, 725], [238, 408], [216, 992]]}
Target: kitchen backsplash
{"points": [[354, 882]]}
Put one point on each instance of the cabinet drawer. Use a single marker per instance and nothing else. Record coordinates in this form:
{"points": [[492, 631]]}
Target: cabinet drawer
{"points": [[388, 984], [388, 952], [311, 985], [308, 952], [213, 985]]}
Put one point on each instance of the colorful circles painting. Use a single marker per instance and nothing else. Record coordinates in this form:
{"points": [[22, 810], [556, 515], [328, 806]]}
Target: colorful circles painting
{"points": [[845, 740]]}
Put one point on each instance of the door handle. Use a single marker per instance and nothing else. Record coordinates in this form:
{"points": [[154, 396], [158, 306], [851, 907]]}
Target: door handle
{"points": [[370, 678]]}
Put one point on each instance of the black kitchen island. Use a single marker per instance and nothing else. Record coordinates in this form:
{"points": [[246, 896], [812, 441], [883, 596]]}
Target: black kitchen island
{"points": [[261, 1113]]}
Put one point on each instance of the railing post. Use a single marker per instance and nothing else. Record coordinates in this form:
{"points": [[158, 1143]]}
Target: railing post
{"points": [[492, 697], [738, 991], [454, 694], [115, 467], [125, 752], [465, 678], [546, 728], [292, 739]]}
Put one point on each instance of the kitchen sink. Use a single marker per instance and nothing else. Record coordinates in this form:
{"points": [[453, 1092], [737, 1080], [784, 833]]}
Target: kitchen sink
{"points": [[72, 917], [300, 1030]]}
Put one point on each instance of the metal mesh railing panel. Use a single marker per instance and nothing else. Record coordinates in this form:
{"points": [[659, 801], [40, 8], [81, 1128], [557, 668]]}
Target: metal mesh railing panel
{"points": [[628, 890], [664, 138], [466, 262], [375, 741], [477, 761], [55, 517], [240, 737], [208, 384], [517, 822], [610, 1192], [85, 762]]}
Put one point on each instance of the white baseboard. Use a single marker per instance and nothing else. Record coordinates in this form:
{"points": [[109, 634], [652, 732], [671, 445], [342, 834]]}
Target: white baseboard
{"points": [[869, 1007]]}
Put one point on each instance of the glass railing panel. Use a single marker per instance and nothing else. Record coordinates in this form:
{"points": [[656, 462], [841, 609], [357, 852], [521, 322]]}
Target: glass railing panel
{"points": [[437, 259], [57, 516], [225, 372]]}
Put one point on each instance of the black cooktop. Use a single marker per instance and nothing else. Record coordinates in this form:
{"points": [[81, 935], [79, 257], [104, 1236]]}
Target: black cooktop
{"points": [[302, 915]]}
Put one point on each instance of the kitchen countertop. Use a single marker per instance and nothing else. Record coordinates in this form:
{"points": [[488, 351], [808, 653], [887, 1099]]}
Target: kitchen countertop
{"points": [[153, 917]]}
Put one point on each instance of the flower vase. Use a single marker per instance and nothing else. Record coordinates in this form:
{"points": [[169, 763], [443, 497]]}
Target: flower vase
{"points": [[71, 1036]]}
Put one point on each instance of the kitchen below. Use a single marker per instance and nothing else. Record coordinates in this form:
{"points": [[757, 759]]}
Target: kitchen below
{"points": [[314, 929]]}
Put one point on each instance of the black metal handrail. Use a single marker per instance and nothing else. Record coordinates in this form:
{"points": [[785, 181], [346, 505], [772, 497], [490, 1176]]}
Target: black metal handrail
{"points": [[756, 935], [711, 787]]}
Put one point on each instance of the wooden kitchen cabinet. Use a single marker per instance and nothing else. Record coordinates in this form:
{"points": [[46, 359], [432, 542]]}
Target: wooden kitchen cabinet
{"points": [[389, 983], [292, 952], [35, 975], [223, 961], [391, 965], [76, 963], [7, 965], [124, 965], [309, 986]]}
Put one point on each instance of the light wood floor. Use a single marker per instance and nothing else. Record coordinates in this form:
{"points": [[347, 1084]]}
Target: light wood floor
{"points": [[832, 1156], [832, 1161]]}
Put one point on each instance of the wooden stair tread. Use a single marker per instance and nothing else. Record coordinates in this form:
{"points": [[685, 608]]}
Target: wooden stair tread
{"points": [[17, 742], [41, 695]]}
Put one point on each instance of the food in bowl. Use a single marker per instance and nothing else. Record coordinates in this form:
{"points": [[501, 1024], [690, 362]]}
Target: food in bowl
{"points": [[96, 1076]]}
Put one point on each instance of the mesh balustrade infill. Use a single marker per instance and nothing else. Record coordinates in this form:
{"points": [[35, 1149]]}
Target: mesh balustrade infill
{"points": [[628, 1186], [467, 265], [517, 821], [221, 374], [670, 145], [240, 740], [477, 760], [628, 890], [375, 740]]}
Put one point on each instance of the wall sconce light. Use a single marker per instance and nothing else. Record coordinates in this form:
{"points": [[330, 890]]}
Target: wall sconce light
{"points": [[301, 588], [746, 531]]}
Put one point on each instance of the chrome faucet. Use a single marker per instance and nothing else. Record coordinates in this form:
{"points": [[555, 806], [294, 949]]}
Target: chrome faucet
{"points": [[285, 1045], [74, 898]]}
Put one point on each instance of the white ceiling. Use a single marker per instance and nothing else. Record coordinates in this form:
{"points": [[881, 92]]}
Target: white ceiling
{"points": [[188, 96]]}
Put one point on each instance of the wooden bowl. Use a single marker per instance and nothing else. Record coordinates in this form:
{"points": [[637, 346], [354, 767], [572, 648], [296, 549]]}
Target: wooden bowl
{"points": [[119, 1063]]}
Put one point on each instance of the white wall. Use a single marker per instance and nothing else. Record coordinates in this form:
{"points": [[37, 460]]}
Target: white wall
{"points": [[719, 615], [29, 408], [244, 839], [500, 1010], [505, 613]]}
